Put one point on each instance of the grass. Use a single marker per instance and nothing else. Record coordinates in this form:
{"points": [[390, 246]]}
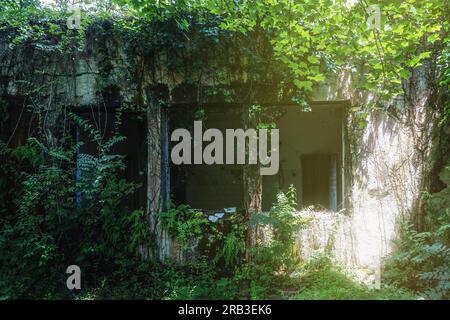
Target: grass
{"points": [[319, 279], [324, 281]]}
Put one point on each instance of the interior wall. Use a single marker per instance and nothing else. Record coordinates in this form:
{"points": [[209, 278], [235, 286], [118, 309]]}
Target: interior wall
{"points": [[207, 186], [315, 132]]}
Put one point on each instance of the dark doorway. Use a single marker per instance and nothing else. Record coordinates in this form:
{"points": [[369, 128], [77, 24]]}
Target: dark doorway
{"points": [[204, 186], [311, 157], [134, 148], [319, 180]]}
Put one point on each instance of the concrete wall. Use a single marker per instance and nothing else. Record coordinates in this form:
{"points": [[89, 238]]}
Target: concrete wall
{"points": [[314, 132], [386, 178], [386, 183]]}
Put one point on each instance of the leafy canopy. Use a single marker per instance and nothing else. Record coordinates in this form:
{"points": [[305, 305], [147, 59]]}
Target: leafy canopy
{"points": [[315, 38]]}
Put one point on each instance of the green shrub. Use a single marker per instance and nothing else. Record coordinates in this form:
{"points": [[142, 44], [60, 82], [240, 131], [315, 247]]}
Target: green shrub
{"points": [[276, 257], [185, 223], [49, 220], [422, 260]]}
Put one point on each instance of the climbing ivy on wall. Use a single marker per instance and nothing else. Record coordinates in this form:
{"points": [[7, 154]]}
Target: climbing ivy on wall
{"points": [[316, 37]]}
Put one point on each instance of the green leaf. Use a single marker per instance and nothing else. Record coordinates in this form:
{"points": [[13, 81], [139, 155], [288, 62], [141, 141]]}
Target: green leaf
{"points": [[433, 38], [318, 77], [313, 59], [307, 85], [404, 73]]}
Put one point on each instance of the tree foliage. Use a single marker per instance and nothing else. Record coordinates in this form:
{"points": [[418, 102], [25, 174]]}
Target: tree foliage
{"points": [[316, 38]]}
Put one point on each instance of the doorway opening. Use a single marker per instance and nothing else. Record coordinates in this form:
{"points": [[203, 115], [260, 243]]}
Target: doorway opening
{"points": [[311, 157]]}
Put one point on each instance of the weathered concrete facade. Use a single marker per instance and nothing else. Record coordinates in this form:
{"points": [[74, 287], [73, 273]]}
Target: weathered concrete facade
{"points": [[386, 184], [384, 180], [381, 176]]}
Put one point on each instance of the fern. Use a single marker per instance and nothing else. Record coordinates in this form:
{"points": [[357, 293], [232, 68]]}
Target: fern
{"points": [[232, 250], [422, 262], [184, 222], [421, 265]]}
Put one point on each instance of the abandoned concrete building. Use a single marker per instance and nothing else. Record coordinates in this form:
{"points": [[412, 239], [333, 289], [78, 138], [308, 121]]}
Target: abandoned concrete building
{"points": [[354, 184]]}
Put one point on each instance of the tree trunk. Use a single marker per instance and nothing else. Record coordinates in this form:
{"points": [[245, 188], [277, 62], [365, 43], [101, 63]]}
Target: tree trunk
{"points": [[252, 189], [154, 173]]}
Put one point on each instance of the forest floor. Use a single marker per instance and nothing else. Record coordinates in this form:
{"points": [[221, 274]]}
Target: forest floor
{"points": [[333, 283], [322, 282]]}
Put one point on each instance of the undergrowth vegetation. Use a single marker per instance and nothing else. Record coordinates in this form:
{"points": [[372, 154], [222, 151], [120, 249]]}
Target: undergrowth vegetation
{"points": [[323, 280], [50, 219], [422, 261]]}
